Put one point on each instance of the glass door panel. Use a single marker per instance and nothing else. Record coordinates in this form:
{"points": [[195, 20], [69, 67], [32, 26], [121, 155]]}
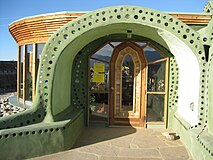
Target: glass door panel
{"points": [[152, 54], [155, 108], [156, 77], [133, 67], [99, 83], [127, 84], [128, 88], [156, 90]]}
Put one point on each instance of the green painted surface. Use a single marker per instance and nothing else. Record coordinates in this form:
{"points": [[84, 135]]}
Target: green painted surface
{"points": [[209, 7], [39, 139], [209, 80], [210, 108], [173, 86], [61, 98], [62, 82]]}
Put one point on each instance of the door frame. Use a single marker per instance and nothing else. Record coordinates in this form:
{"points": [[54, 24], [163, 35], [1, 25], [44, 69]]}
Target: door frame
{"points": [[141, 121], [139, 48]]}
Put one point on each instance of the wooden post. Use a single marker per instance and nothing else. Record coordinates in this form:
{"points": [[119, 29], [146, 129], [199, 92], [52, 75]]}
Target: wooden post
{"points": [[34, 70], [166, 95], [24, 73], [18, 73]]}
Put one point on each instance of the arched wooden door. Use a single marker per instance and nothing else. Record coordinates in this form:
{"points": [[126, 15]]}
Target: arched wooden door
{"points": [[127, 85]]}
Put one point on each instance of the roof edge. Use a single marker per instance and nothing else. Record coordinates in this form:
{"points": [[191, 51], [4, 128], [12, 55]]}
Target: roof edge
{"points": [[81, 12], [48, 14]]}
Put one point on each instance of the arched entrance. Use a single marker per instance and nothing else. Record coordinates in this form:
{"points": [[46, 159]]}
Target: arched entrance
{"points": [[60, 53], [128, 84], [61, 100]]}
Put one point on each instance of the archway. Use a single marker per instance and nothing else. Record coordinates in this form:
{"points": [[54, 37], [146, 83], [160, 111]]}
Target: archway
{"points": [[58, 111], [61, 49]]}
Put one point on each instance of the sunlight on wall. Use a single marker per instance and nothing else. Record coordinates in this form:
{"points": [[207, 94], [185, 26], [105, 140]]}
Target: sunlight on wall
{"points": [[189, 77]]}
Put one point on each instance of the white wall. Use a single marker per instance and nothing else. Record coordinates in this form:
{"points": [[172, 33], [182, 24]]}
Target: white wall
{"points": [[189, 77]]}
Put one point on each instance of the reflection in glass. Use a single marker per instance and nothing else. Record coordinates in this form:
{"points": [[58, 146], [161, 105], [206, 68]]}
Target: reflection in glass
{"points": [[99, 106], [29, 69], [127, 78], [151, 54], [141, 43], [99, 83], [155, 108], [39, 48], [127, 83], [21, 70], [115, 43], [156, 77], [99, 86], [104, 53]]}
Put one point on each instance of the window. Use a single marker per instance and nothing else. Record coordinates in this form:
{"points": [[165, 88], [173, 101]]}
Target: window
{"points": [[29, 70], [126, 85], [99, 84], [39, 49], [20, 72], [156, 84]]}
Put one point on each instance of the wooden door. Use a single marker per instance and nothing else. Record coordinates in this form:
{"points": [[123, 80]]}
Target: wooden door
{"points": [[127, 85]]}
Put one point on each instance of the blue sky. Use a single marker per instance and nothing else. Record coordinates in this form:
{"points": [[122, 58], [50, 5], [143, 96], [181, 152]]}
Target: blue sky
{"points": [[11, 10]]}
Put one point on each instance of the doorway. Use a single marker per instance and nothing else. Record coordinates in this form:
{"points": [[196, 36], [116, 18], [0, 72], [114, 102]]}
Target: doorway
{"points": [[128, 84]]}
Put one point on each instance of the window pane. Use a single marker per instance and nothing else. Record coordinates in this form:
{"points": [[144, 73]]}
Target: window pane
{"points": [[39, 48], [21, 70], [151, 54], [115, 43], [29, 68], [156, 77], [104, 53], [127, 83], [99, 106], [141, 43], [99, 80], [155, 108], [99, 83]]}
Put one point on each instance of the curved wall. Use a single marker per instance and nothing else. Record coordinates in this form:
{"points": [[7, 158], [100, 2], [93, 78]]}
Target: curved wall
{"points": [[139, 21], [66, 51], [38, 29], [33, 31], [77, 34]]}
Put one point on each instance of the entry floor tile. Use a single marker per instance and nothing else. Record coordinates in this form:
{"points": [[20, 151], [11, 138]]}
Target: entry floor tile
{"points": [[123, 143]]}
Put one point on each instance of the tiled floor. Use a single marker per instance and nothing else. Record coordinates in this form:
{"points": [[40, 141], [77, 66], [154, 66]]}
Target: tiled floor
{"points": [[123, 143]]}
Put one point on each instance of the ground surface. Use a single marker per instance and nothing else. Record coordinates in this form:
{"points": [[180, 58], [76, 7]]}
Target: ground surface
{"points": [[123, 143], [5, 95]]}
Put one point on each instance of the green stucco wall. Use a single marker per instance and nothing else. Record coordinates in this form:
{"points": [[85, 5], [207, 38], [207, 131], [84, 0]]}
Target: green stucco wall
{"points": [[39, 139], [57, 116], [61, 98]]}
